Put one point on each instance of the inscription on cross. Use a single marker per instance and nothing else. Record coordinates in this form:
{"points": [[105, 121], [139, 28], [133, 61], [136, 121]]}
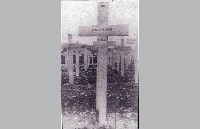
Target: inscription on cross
{"points": [[102, 30]]}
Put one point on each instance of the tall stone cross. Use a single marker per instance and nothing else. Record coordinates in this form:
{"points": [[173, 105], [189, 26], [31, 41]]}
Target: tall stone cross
{"points": [[102, 30]]}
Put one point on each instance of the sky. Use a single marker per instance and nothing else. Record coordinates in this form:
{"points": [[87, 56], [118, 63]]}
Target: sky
{"points": [[84, 13]]}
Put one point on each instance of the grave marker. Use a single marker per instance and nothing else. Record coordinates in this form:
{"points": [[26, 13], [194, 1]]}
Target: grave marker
{"points": [[70, 66], [85, 58], [77, 63], [102, 30]]}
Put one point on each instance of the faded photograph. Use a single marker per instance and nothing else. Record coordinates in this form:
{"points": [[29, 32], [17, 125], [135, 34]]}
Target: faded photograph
{"points": [[99, 64]]}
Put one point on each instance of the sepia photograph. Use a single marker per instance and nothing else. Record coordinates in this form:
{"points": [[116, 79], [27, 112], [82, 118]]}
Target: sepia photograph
{"points": [[100, 64]]}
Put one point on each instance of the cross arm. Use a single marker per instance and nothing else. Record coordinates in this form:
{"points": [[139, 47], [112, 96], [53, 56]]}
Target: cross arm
{"points": [[103, 30]]}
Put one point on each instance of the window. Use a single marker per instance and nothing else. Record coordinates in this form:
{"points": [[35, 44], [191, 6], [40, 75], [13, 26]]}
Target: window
{"points": [[74, 59], [90, 60], [95, 59], [81, 59]]}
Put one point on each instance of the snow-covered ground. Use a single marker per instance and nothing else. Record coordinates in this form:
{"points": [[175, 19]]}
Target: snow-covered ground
{"points": [[87, 121]]}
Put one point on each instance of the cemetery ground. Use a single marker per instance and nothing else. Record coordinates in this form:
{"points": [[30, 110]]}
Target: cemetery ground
{"points": [[79, 104]]}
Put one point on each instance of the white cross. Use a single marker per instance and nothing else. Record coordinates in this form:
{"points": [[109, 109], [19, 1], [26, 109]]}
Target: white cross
{"points": [[102, 30]]}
